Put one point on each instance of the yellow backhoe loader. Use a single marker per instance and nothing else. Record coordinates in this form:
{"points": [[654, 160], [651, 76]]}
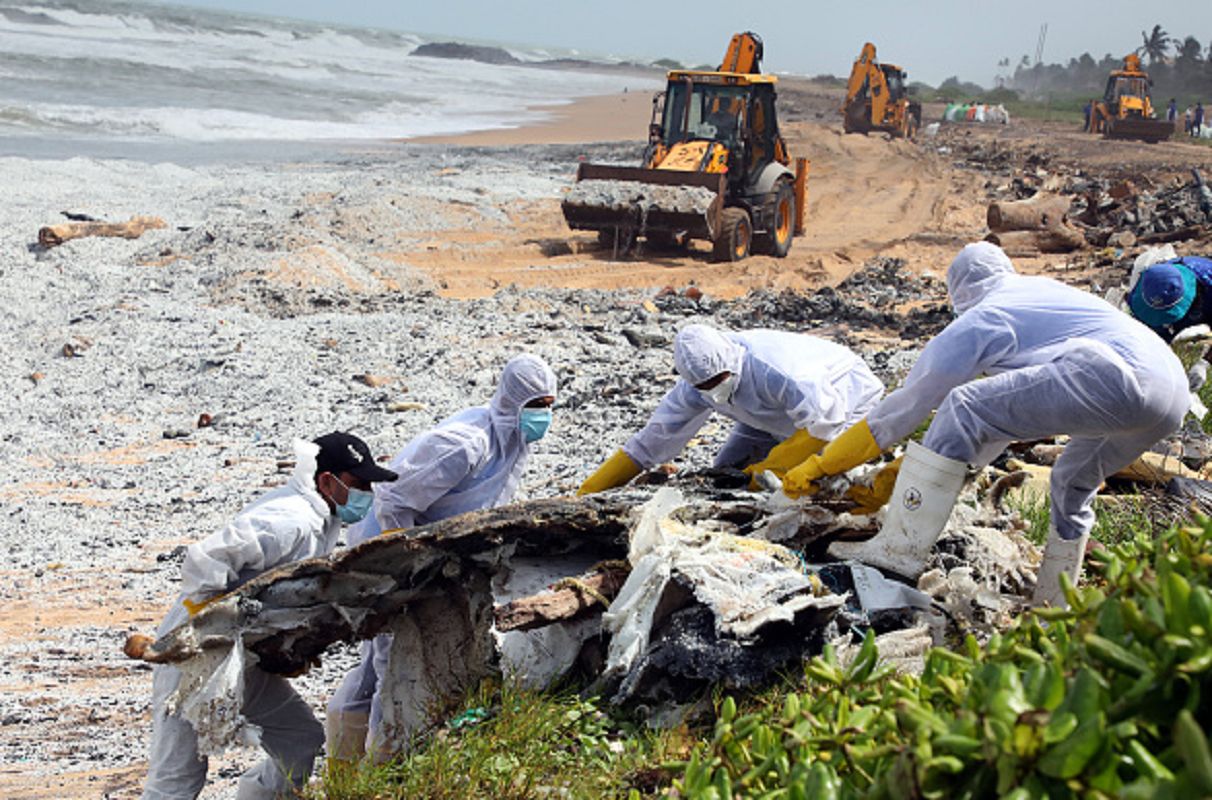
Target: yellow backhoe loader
{"points": [[1125, 110], [877, 98], [715, 168]]}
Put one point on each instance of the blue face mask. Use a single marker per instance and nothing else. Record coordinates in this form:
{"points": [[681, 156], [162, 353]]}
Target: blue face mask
{"points": [[534, 423], [356, 506]]}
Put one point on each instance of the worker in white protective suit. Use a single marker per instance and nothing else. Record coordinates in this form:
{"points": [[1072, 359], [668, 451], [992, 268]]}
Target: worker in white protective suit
{"points": [[330, 484], [1058, 361], [789, 394], [472, 460]]}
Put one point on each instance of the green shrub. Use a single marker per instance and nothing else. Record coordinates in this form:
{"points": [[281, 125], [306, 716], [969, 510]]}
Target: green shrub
{"points": [[1111, 698]]}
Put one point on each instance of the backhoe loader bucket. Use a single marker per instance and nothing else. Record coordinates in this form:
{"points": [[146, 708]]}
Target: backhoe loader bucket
{"points": [[643, 201], [1149, 130]]}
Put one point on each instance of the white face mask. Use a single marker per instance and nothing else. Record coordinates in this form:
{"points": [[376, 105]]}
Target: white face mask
{"points": [[721, 393]]}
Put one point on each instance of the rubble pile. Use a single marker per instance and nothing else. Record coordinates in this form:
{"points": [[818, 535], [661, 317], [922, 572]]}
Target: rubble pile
{"points": [[884, 295], [1116, 207], [625, 195], [1150, 215]]}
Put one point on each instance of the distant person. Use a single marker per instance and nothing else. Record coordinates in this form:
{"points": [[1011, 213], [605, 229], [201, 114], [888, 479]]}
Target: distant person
{"points": [[1087, 110], [1187, 120], [331, 484], [1197, 121], [1172, 111], [1174, 295]]}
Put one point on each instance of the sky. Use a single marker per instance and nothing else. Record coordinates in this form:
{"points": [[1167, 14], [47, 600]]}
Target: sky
{"points": [[932, 39]]}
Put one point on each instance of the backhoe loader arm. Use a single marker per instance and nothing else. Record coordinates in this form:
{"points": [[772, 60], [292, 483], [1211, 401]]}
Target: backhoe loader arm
{"points": [[864, 70], [744, 54]]}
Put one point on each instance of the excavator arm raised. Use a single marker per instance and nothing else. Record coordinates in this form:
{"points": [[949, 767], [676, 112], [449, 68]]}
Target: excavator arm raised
{"points": [[744, 54]]}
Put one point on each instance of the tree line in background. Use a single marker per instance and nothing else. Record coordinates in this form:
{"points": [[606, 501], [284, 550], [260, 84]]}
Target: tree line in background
{"points": [[1178, 67]]}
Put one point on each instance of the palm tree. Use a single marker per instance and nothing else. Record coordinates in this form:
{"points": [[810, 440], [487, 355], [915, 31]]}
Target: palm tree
{"points": [[1155, 44]]}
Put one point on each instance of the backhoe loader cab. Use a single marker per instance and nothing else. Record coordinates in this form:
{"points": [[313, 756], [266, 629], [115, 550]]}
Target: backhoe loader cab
{"points": [[877, 98], [1126, 110], [715, 168]]}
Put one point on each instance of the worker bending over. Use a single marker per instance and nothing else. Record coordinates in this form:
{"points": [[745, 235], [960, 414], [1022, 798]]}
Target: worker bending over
{"points": [[330, 484], [472, 460], [789, 394], [1060, 361], [1174, 295]]}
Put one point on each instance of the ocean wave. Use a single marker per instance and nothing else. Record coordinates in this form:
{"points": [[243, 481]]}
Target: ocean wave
{"points": [[152, 72], [401, 120]]}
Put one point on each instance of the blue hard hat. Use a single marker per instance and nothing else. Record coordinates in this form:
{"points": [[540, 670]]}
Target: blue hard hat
{"points": [[1163, 295]]}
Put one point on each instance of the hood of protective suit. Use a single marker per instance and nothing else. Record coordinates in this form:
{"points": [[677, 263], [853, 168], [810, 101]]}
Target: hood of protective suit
{"points": [[701, 352], [525, 378], [303, 478], [976, 271], [472, 460]]}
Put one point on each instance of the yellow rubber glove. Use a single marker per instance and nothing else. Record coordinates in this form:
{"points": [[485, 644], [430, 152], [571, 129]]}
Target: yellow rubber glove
{"points": [[872, 498], [617, 470], [785, 455], [847, 451], [195, 609]]}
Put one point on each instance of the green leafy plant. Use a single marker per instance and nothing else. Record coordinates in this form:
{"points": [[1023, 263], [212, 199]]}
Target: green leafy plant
{"points": [[1110, 698]]}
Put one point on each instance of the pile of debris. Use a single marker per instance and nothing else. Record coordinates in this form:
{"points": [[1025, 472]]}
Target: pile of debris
{"points": [[626, 195], [883, 295], [649, 596], [1122, 214]]}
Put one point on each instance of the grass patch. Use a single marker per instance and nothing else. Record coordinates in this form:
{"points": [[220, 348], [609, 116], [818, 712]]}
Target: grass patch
{"points": [[1117, 518], [513, 744]]}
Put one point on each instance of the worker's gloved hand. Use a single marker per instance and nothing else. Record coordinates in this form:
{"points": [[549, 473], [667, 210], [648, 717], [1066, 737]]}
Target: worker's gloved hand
{"points": [[785, 455], [870, 499], [195, 609], [845, 452], [617, 470]]}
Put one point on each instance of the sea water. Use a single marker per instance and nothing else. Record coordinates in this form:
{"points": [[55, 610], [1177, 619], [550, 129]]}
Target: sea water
{"points": [[93, 77]]}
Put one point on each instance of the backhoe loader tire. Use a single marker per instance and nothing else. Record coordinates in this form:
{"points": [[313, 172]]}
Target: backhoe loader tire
{"points": [[735, 236], [777, 241]]}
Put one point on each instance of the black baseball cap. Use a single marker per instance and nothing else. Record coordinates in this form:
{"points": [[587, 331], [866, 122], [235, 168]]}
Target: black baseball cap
{"points": [[344, 452]]}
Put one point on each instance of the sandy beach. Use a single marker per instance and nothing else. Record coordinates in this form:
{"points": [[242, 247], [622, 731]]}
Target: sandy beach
{"points": [[620, 117]]}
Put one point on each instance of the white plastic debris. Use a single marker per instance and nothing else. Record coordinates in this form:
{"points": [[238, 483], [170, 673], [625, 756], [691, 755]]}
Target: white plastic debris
{"points": [[747, 583], [210, 696], [538, 657], [874, 592]]}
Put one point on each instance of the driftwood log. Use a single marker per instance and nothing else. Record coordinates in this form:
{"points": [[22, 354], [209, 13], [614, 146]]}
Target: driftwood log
{"points": [[1180, 235], [565, 600], [53, 235], [1027, 243], [1043, 211]]}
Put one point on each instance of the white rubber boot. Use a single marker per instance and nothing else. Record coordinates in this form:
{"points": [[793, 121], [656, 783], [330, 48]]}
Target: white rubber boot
{"points": [[345, 732], [921, 503], [1060, 556]]}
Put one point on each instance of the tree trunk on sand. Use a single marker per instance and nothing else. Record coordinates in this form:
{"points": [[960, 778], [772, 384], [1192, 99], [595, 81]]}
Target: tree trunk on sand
{"points": [[1028, 243], [53, 235], [1043, 211]]}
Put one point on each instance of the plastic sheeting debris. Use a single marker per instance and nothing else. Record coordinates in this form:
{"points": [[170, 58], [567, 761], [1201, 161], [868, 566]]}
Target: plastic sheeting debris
{"points": [[745, 583], [210, 696]]}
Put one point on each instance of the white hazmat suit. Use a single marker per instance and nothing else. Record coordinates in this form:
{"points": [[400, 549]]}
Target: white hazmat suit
{"points": [[472, 460], [1058, 361], [290, 523], [787, 382]]}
